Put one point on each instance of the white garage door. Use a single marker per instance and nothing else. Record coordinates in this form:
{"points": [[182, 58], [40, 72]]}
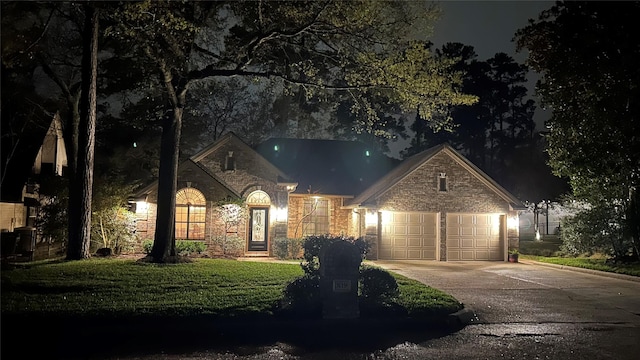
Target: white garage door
{"points": [[407, 236], [474, 237]]}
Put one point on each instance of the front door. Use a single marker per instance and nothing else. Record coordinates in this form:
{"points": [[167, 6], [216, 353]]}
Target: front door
{"points": [[258, 228]]}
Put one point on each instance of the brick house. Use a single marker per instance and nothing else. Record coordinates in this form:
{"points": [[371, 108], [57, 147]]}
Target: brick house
{"points": [[435, 205]]}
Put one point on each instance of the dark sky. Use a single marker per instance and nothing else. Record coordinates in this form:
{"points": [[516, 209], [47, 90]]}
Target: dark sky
{"points": [[488, 26]]}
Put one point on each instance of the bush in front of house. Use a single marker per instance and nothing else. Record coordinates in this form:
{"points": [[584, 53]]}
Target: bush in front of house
{"points": [[147, 245], [231, 245], [287, 248], [302, 298], [377, 285], [190, 247], [378, 293], [183, 247], [377, 289], [234, 245], [313, 245]]}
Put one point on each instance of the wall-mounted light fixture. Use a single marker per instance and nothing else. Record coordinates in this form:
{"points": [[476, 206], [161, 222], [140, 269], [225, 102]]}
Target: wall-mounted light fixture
{"points": [[512, 222], [142, 207], [281, 214], [371, 218]]}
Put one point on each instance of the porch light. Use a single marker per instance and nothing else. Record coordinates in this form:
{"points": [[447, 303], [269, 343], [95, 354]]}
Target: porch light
{"points": [[281, 214], [386, 216], [142, 207], [371, 218], [512, 222]]}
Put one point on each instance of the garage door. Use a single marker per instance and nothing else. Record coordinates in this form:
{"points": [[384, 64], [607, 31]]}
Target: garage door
{"points": [[407, 235], [474, 237]]}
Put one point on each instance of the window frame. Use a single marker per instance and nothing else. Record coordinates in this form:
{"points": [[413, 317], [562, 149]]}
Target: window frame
{"points": [[313, 221], [190, 220]]}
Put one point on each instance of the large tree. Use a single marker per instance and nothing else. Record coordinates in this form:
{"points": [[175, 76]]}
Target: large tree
{"points": [[358, 47], [588, 55], [82, 180], [58, 41]]}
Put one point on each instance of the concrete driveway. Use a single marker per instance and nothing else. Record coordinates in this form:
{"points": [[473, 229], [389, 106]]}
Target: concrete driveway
{"points": [[530, 310]]}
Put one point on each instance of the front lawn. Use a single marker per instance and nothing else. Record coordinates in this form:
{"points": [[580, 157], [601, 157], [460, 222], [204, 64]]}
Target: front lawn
{"points": [[588, 263], [217, 287]]}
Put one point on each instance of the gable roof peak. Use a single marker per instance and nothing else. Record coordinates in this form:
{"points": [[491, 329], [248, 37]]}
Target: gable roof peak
{"points": [[410, 164]]}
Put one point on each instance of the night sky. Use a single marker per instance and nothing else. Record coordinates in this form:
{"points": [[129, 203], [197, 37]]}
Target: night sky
{"points": [[488, 26]]}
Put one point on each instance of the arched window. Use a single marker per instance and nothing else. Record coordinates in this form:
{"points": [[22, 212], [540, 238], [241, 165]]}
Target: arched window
{"points": [[191, 211], [258, 198]]}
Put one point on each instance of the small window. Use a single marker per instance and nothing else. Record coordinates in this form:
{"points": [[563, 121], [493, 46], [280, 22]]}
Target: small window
{"points": [[230, 162], [442, 182]]}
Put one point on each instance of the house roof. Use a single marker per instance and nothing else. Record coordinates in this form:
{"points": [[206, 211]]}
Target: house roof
{"points": [[328, 167], [283, 177], [18, 158], [369, 196], [202, 154], [189, 162]]}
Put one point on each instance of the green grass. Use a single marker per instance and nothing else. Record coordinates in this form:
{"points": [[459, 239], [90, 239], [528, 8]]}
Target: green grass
{"points": [[116, 287], [421, 300], [589, 263], [546, 247]]}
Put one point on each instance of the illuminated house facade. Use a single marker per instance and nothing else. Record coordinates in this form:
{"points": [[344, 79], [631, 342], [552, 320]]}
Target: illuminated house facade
{"points": [[435, 205]]}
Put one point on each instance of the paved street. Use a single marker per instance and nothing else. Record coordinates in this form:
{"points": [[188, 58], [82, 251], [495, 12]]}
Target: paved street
{"points": [[523, 311]]}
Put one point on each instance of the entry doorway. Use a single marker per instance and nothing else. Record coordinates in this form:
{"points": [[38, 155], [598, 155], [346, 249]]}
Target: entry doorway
{"points": [[258, 228]]}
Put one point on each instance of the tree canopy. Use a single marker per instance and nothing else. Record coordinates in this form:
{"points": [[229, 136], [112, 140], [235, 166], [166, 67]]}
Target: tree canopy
{"points": [[588, 56]]}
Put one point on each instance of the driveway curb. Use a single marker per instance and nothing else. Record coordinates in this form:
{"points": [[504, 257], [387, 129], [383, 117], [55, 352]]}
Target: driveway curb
{"points": [[462, 317], [587, 271]]}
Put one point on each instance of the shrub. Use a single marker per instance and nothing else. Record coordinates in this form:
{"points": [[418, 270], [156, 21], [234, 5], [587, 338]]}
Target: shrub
{"points": [[114, 228], [302, 297], [189, 247], [596, 229], [313, 245], [228, 245], [376, 285], [295, 248], [286, 248], [281, 248], [183, 247], [234, 245], [147, 245]]}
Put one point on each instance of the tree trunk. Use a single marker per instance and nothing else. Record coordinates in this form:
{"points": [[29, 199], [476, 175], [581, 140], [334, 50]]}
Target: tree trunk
{"points": [[164, 241], [80, 203]]}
